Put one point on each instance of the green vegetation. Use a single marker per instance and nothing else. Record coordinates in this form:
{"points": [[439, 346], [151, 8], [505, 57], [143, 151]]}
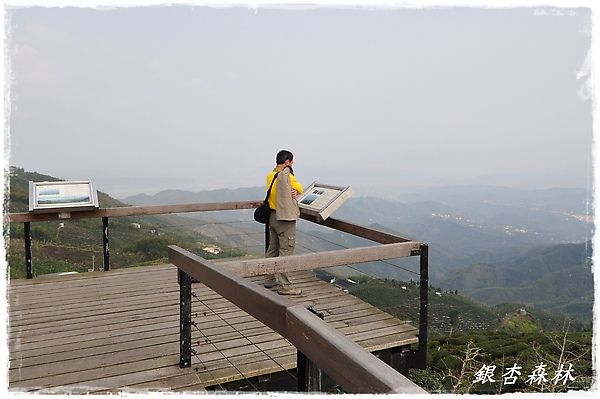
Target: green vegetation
{"points": [[449, 312], [553, 277], [76, 244], [466, 338], [480, 363]]}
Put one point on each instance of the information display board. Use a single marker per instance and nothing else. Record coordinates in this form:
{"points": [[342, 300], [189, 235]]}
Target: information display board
{"points": [[60, 196], [322, 200]]}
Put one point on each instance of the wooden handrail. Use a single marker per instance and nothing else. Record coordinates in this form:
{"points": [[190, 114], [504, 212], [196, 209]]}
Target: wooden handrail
{"points": [[24, 217], [350, 365], [321, 260], [354, 229], [130, 211]]}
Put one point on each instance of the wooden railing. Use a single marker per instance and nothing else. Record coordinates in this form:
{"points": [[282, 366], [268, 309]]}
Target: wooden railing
{"points": [[105, 213], [232, 272], [347, 363]]}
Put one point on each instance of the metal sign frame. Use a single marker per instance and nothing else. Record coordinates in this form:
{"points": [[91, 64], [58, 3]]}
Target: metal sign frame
{"points": [[61, 196], [322, 199]]}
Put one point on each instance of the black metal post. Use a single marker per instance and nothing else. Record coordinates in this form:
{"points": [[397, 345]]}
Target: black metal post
{"points": [[418, 358], [28, 265], [185, 319], [267, 236], [310, 376], [105, 243], [424, 282]]}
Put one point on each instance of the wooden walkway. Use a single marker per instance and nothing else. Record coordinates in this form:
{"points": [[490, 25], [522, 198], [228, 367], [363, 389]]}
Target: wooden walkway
{"points": [[118, 332]]}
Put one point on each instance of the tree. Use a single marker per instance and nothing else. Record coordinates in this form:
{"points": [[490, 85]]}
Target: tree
{"points": [[453, 314]]}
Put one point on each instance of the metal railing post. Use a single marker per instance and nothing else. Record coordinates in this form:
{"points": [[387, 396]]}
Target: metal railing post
{"points": [[28, 265], [185, 319], [418, 358], [266, 237], [424, 283], [106, 260]]}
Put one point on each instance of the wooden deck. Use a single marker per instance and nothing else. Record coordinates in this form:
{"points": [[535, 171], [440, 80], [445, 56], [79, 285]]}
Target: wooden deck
{"points": [[118, 332]]}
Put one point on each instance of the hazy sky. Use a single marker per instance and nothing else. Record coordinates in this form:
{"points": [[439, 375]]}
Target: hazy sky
{"points": [[145, 98]]}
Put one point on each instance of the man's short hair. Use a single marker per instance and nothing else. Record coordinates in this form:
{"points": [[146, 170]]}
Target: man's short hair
{"points": [[282, 156]]}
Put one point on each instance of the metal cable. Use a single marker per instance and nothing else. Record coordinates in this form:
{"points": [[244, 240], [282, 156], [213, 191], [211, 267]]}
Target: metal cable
{"points": [[207, 340], [354, 268]]}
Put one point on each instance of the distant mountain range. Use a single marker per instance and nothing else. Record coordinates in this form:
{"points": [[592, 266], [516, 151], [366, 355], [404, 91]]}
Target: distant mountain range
{"points": [[170, 197], [494, 244]]}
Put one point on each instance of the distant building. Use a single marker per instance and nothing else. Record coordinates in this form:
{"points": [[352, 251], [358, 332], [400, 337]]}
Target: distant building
{"points": [[213, 250]]}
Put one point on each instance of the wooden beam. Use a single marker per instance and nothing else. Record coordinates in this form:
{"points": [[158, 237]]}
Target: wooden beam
{"points": [[351, 228], [342, 359], [361, 231], [130, 211], [321, 260], [361, 372]]}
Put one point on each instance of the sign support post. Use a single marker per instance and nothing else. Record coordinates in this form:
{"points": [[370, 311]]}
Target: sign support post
{"points": [[28, 266]]}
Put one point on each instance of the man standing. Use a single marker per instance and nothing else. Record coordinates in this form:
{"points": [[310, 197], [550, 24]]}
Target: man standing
{"points": [[282, 222]]}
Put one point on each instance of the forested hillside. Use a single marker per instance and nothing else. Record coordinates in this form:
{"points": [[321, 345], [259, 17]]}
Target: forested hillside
{"points": [[553, 277], [450, 312]]}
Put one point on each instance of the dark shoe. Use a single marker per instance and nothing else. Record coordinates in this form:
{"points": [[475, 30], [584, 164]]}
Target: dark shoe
{"points": [[270, 284], [291, 291]]}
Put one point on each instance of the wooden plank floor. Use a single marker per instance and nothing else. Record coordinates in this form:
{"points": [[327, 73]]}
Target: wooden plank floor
{"points": [[118, 332]]}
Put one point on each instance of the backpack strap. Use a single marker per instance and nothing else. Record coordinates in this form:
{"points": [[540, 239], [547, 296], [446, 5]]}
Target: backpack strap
{"points": [[270, 187]]}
